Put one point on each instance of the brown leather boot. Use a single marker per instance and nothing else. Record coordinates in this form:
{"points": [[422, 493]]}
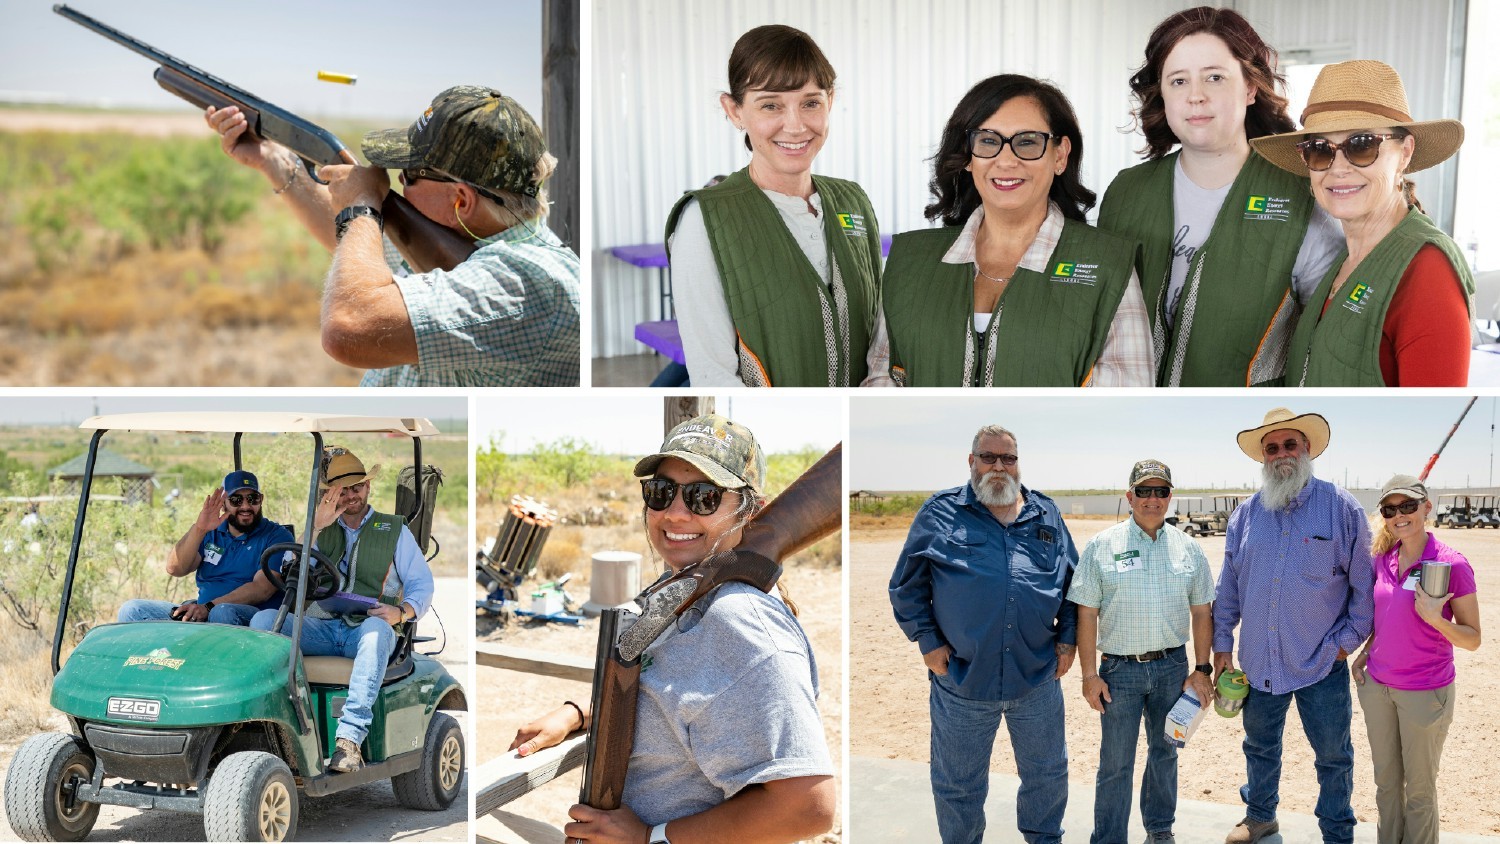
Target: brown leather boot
{"points": [[346, 758], [1249, 832]]}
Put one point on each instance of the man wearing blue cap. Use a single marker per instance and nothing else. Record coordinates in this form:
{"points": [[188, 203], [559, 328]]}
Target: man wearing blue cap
{"points": [[223, 549]]}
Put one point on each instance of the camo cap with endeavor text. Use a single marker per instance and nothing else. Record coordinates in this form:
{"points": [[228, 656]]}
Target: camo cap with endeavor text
{"points": [[723, 450], [472, 133]]}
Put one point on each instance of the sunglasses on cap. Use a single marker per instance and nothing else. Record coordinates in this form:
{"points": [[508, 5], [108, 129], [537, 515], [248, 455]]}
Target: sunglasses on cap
{"points": [[1027, 146], [1405, 508], [1361, 150], [1152, 492], [412, 174], [237, 499], [989, 459], [701, 498]]}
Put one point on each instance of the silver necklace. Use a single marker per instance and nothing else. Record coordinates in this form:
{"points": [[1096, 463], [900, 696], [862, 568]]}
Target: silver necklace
{"points": [[981, 271]]}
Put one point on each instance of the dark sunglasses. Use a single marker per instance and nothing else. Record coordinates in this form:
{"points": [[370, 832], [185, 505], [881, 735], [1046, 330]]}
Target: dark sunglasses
{"points": [[1361, 150], [252, 497], [701, 498], [411, 175], [1406, 508], [1027, 146], [989, 459], [1152, 492], [1272, 449]]}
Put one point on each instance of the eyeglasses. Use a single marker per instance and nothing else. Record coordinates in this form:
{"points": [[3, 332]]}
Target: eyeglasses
{"points": [[1360, 150], [1406, 508], [1273, 449], [989, 459], [411, 175], [1152, 492], [1027, 146], [701, 498], [252, 497]]}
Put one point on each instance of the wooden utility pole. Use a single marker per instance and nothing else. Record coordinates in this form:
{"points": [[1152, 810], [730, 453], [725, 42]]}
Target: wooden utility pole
{"points": [[560, 114], [679, 409]]}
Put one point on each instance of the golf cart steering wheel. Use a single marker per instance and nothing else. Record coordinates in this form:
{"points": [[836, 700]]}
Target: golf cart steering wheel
{"points": [[325, 574]]}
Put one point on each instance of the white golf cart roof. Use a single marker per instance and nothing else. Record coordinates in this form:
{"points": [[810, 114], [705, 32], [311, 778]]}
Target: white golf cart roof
{"points": [[232, 422]]}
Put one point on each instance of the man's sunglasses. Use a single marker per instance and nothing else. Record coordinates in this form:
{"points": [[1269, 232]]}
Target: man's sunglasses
{"points": [[1027, 146], [1406, 508], [252, 497], [701, 498], [1273, 449], [989, 459], [412, 174], [1361, 150], [1152, 492]]}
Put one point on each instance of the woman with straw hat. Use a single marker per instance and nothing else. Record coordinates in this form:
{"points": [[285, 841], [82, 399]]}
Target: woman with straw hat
{"points": [[1395, 309]]}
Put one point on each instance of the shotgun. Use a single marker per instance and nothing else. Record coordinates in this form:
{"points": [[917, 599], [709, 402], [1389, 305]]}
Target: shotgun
{"points": [[803, 513], [425, 244]]}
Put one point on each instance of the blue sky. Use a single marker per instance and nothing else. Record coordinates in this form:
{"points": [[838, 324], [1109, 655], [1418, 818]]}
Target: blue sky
{"points": [[1091, 443], [403, 53]]}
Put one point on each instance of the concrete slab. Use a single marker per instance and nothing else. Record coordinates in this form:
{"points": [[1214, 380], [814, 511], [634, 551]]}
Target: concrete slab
{"points": [[891, 802]]}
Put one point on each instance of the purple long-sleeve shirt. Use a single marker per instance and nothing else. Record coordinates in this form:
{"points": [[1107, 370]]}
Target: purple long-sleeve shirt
{"points": [[1298, 582]]}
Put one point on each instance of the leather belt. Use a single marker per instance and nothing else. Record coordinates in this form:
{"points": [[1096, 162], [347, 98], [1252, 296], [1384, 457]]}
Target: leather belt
{"points": [[1148, 656]]}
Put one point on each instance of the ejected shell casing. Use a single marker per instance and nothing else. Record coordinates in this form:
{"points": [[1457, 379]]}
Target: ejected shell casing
{"points": [[341, 78]]}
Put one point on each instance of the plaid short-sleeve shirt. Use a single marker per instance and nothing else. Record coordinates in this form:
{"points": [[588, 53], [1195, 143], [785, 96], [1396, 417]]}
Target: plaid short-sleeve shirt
{"points": [[1142, 587]]}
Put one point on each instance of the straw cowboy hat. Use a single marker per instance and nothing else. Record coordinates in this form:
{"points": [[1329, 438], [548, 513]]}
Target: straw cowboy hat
{"points": [[1362, 94], [1311, 425], [341, 468]]}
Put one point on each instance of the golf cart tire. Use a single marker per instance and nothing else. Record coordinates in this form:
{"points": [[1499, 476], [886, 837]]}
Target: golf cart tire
{"points": [[433, 786], [250, 797], [33, 789]]}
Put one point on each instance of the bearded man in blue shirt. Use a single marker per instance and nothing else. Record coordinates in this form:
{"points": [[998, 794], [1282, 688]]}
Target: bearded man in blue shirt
{"points": [[1297, 580], [980, 587]]}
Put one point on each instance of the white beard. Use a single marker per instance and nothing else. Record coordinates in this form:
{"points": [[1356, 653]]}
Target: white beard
{"points": [[1278, 489], [1001, 493]]}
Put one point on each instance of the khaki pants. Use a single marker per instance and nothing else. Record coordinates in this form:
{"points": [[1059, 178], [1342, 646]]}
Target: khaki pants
{"points": [[1407, 731]]}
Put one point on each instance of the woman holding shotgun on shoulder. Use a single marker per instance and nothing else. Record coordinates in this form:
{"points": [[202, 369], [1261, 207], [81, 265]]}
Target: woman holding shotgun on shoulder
{"points": [[728, 741]]}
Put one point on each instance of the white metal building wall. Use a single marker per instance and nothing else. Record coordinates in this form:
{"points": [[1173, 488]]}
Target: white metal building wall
{"points": [[658, 67]]}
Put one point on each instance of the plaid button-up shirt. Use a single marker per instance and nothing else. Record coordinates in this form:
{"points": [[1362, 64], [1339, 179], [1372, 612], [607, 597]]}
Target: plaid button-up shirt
{"points": [[1143, 587]]}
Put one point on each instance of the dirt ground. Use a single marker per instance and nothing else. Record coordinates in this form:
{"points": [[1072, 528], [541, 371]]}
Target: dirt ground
{"points": [[888, 700], [152, 124], [510, 699], [368, 813]]}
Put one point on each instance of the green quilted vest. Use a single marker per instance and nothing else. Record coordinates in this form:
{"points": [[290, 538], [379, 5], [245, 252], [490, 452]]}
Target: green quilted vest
{"points": [[372, 561], [1047, 329], [793, 330], [1236, 313], [1343, 348]]}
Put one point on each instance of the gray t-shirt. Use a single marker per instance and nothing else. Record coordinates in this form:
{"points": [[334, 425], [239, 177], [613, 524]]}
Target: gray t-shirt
{"points": [[1194, 210], [728, 699]]}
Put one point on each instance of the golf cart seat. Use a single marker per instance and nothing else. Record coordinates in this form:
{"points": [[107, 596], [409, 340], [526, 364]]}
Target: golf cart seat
{"points": [[335, 670]]}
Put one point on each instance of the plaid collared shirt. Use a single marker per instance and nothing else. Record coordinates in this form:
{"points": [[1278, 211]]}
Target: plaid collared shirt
{"points": [[506, 317], [1143, 587]]}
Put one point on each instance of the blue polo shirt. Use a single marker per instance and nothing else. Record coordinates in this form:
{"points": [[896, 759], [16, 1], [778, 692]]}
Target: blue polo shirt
{"points": [[993, 593], [229, 562]]}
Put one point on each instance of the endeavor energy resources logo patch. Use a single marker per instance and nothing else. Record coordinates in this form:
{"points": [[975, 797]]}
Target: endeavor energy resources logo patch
{"points": [[1069, 272], [1274, 208]]}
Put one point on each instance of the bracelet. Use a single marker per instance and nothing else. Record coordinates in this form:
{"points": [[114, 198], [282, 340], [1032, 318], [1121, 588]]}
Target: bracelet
{"points": [[291, 177], [582, 721], [1088, 677]]}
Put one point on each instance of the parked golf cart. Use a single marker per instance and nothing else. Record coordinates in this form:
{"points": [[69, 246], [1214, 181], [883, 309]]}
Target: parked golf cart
{"points": [[1486, 511], [226, 721], [1455, 511]]}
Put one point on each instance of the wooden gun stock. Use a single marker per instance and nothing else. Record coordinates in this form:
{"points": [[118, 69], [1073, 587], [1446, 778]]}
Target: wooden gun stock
{"points": [[805, 512]]}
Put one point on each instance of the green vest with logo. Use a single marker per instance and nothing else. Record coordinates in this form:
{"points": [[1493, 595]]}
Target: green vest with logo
{"points": [[1343, 348], [1047, 329], [1236, 313], [794, 331], [372, 560]]}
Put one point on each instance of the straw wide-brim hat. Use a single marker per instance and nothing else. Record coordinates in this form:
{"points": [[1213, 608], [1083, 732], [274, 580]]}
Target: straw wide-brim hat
{"points": [[1312, 426], [1362, 94], [344, 469]]}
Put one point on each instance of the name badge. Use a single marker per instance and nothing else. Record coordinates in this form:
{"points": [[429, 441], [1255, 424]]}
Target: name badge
{"points": [[212, 554], [1411, 581], [1128, 561]]}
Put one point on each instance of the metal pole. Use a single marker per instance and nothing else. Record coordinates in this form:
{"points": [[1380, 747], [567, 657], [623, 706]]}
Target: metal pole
{"points": [[1431, 461], [83, 509]]}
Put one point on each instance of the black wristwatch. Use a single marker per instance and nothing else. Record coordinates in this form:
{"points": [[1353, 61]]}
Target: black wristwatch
{"points": [[346, 216], [1205, 668], [208, 605]]}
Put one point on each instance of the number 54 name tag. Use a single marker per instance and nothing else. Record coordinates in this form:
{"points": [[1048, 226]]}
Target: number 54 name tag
{"points": [[1127, 561]]}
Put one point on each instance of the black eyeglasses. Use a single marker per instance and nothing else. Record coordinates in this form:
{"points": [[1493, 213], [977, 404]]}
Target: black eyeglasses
{"points": [[252, 497], [1152, 492], [1273, 449], [702, 498], [1028, 146], [1405, 508], [1361, 150], [989, 459], [411, 175]]}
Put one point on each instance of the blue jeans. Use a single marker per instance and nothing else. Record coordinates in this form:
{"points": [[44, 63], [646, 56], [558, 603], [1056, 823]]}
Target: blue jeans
{"points": [[1136, 689], [963, 736], [369, 645], [1326, 709], [141, 609]]}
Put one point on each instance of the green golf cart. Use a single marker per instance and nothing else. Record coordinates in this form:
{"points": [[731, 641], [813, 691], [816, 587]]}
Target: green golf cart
{"points": [[225, 721]]}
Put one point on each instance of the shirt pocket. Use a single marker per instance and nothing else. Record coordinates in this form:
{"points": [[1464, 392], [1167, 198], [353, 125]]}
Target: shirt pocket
{"points": [[966, 546], [1034, 555]]}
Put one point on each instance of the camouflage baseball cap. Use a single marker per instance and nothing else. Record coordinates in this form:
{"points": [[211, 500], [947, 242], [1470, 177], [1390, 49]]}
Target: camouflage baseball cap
{"points": [[472, 133], [1148, 469], [725, 451]]}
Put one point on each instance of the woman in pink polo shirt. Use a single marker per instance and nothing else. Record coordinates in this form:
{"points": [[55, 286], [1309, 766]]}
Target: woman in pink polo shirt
{"points": [[1405, 672]]}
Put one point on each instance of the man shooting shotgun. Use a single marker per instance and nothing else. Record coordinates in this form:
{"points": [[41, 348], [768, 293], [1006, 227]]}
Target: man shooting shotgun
{"points": [[494, 301], [725, 743]]}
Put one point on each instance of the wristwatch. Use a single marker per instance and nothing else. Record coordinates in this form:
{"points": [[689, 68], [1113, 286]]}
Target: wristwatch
{"points": [[404, 608], [346, 216], [1205, 668], [659, 834], [209, 605]]}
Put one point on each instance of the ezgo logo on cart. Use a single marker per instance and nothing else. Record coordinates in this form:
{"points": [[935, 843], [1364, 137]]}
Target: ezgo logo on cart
{"points": [[134, 709]]}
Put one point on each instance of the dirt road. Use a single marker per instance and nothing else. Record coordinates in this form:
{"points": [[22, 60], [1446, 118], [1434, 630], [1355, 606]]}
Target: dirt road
{"points": [[369, 813]]}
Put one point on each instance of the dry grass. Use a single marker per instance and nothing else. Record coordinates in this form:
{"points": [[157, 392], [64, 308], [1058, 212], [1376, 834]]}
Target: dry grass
{"points": [[26, 676]]}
